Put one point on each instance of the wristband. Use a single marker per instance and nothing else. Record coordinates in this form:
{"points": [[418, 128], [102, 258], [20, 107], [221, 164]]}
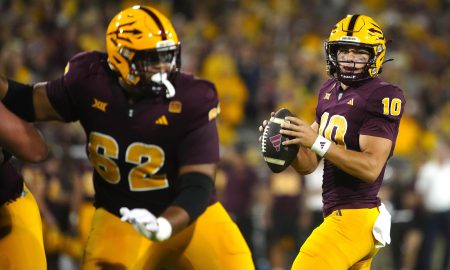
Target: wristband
{"points": [[321, 145], [164, 229]]}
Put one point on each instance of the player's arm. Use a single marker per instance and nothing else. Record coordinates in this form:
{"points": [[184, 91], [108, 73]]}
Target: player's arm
{"points": [[194, 188], [20, 138], [29, 102], [376, 139], [306, 161], [365, 165], [193, 195]]}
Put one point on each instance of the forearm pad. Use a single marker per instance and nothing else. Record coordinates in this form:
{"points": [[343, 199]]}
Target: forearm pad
{"points": [[193, 192], [19, 100]]}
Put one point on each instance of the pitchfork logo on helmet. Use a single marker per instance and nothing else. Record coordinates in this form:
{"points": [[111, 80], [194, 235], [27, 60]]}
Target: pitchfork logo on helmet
{"points": [[361, 31], [144, 49]]}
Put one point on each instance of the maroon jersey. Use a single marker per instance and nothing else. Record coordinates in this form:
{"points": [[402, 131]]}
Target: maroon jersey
{"points": [[11, 182], [137, 149], [373, 108]]}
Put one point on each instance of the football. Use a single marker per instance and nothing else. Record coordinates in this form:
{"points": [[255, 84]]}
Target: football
{"points": [[277, 156]]}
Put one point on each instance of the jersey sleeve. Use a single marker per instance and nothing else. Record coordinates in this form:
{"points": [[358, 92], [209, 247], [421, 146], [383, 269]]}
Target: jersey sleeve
{"points": [[61, 92], [201, 142], [384, 110]]}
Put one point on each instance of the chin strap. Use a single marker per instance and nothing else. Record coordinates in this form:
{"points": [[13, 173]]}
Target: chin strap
{"points": [[389, 60], [161, 78], [385, 61]]}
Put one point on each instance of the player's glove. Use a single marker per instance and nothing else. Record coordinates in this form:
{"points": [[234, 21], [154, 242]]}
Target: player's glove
{"points": [[147, 224]]}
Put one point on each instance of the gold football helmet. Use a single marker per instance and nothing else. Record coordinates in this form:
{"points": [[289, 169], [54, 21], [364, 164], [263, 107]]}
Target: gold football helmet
{"points": [[139, 41], [361, 31]]}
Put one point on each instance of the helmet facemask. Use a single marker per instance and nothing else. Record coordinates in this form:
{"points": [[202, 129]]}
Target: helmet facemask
{"points": [[347, 75], [153, 70]]}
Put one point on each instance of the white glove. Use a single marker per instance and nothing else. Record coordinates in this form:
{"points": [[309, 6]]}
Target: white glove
{"points": [[147, 224], [141, 219]]}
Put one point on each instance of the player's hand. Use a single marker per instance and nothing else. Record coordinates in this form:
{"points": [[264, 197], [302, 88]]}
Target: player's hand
{"points": [[300, 131], [263, 125], [141, 219], [146, 223]]}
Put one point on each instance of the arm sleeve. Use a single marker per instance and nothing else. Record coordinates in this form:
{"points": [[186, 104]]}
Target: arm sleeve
{"points": [[193, 193]]}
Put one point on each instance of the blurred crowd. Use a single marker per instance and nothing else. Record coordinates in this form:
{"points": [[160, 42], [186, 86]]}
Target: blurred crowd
{"points": [[262, 55]]}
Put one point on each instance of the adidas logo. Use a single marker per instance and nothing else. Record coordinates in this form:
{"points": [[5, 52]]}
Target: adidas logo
{"points": [[162, 121], [276, 141], [350, 102]]}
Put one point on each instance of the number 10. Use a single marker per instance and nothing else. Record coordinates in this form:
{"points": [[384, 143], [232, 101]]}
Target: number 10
{"points": [[392, 107]]}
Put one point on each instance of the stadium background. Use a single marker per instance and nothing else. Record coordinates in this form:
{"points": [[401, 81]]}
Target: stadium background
{"points": [[262, 55]]}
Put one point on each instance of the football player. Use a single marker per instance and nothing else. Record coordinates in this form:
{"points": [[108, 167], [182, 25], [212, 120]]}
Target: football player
{"points": [[152, 139], [357, 121], [21, 243]]}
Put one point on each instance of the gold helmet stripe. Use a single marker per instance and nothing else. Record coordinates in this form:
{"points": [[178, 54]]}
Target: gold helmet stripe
{"points": [[157, 21], [351, 24]]}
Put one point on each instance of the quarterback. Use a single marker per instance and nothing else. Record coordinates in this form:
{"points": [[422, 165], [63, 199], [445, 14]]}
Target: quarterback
{"points": [[21, 243], [152, 139], [356, 126]]}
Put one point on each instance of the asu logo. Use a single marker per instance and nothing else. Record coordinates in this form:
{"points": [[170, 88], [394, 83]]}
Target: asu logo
{"points": [[276, 142], [100, 105]]}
